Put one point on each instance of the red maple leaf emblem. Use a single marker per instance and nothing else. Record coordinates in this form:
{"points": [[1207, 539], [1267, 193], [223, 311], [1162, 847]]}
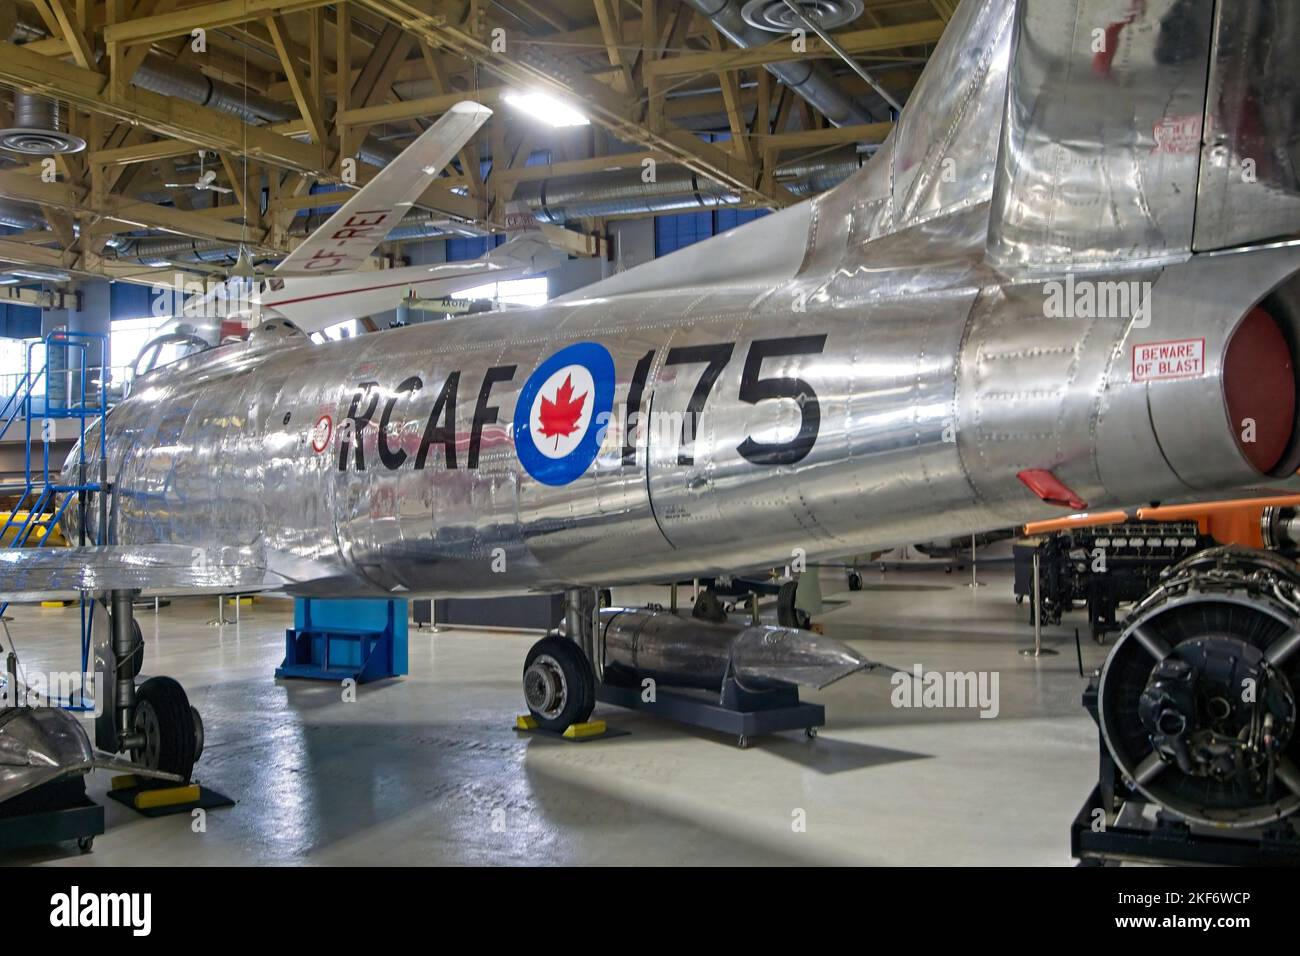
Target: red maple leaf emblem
{"points": [[560, 416]]}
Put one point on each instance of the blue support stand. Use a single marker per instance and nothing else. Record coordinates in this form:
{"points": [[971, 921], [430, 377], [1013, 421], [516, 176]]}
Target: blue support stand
{"points": [[334, 640]]}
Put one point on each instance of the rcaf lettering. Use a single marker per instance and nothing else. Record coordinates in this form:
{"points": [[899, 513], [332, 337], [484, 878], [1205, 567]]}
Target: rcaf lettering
{"points": [[390, 458], [354, 424], [440, 426], [483, 414], [441, 429]]}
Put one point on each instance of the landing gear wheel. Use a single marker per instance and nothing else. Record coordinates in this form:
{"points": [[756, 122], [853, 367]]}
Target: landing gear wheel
{"points": [[164, 717], [709, 608], [86, 844], [855, 581], [742, 742], [810, 733], [559, 686], [787, 615]]}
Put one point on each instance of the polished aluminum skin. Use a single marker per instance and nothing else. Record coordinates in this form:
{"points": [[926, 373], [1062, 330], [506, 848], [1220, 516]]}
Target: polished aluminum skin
{"points": [[874, 367], [638, 643], [42, 744]]}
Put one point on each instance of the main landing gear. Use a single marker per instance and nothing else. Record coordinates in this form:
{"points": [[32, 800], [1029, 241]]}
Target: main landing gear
{"points": [[559, 679], [154, 721]]}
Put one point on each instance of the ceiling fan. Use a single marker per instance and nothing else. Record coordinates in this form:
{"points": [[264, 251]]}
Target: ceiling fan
{"points": [[205, 182]]}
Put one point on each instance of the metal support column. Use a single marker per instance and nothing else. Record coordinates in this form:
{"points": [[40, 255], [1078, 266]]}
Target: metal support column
{"points": [[124, 648], [580, 620]]}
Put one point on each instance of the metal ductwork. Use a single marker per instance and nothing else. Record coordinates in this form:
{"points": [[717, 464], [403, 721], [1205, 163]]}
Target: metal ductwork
{"points": [[171, 79], [776, 16], [618, 194], [416, 225], [40, 127], [623, 193], [159, 76], [809, 79], [21, 216]]}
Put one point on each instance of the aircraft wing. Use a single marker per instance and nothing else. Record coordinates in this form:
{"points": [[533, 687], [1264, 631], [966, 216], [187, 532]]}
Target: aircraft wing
{"points": [[349, 236], [31, 574]]}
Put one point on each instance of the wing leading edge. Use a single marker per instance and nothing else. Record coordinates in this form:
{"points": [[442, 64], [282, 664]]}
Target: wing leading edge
{"points": [[32, 574], [350, 235]]}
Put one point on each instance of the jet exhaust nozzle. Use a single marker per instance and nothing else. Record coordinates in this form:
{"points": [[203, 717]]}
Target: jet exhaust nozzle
{"points": [[636, 643]]}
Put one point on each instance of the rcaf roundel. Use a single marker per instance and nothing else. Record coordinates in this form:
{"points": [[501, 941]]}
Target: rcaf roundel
{"points": [[562, 413]]}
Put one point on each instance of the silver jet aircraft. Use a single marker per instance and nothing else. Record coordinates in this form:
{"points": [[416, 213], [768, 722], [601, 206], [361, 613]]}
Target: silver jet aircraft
{"points": [[1068, 280]]}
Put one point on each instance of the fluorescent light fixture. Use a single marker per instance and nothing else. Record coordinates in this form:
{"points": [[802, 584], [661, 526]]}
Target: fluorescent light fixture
{"points": [[546, 108]]}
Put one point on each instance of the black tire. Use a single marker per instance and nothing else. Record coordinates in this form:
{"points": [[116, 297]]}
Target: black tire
{"points": [[164, 715], [575, 704], [855, 581], [708, 608], [787, 615]]}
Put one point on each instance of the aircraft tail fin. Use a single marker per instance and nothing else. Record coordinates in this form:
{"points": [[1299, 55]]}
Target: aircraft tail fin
{"points": [[1098, 134], [1141, 131], [349, 236]]}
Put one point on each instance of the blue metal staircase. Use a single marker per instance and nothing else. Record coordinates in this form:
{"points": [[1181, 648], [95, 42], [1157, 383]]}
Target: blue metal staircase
{"points": [[45, 394]]}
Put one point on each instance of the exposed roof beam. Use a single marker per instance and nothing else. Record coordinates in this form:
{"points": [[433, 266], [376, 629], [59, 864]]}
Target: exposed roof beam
{"points": [[833, 136], [534, 66], [584, 167], [207, 128], [207, 16], [855, 42], [304, 93]]}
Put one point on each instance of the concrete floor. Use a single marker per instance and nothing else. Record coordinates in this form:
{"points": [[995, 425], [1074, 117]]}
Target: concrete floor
{"points": [[427, 770]]}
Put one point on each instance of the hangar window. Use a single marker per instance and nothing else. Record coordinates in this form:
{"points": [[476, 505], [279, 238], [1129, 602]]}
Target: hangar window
{"points": [[13, 363], [127, 338], [508, 292]]}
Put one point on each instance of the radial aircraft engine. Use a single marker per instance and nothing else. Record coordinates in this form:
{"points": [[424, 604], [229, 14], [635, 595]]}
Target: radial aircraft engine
{"points": [[1067, 280]]}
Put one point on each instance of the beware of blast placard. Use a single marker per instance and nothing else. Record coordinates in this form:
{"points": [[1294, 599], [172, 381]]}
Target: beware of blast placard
{"points": [[1179, 358]]}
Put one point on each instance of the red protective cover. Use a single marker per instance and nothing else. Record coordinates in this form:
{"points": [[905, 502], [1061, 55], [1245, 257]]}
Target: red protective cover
{"points": [[1051, 489]]}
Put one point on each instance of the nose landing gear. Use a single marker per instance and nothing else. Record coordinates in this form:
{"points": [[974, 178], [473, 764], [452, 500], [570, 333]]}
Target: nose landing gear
{"points": [[154, 721]]}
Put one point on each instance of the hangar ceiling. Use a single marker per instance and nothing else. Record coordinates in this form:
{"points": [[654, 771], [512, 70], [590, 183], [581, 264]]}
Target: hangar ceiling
{"points": [[279, 102]]}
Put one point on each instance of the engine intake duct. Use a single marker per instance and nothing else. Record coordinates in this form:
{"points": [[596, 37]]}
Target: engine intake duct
{"points": [[639, 643]]}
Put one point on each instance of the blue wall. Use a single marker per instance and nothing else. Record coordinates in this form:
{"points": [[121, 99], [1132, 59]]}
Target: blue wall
{"points": [[677, 232], [19, 321], [459, 250], [128, 300]]}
